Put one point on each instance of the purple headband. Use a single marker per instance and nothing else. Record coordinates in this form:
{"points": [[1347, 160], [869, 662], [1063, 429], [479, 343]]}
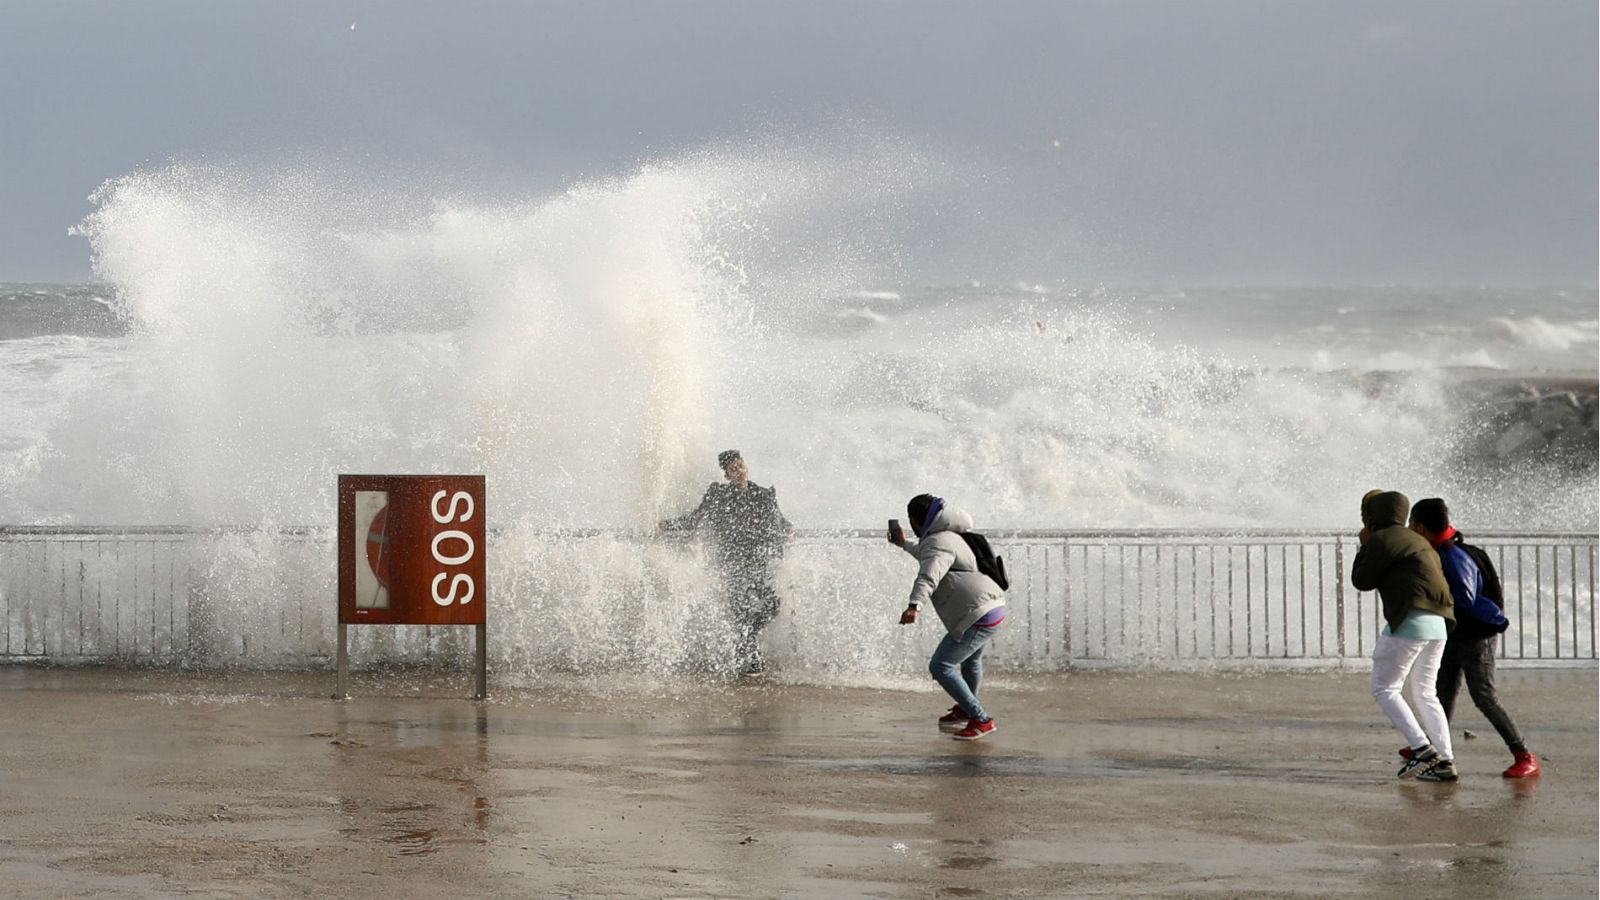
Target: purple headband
{"points": [[934, 508]]}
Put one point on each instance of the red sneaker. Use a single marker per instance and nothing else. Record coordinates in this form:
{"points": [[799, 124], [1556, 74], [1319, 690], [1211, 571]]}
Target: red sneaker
{"points": [[975, 730], [953, 721], [1405, 752], [1525, 766]]}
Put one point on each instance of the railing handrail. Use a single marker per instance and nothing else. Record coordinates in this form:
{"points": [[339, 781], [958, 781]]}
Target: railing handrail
{"points": [[997, 533], [1081, 596]]}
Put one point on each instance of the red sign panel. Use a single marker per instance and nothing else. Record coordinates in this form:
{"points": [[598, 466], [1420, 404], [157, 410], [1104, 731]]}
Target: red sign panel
{"points": [[411, 550]]}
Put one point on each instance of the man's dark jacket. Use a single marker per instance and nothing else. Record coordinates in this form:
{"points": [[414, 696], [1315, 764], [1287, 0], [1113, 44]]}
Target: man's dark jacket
{"points": [[746, 523], [1399, 564]]}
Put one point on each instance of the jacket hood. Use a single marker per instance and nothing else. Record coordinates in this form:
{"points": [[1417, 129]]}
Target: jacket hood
{"points": [[950, 519], [1385, 510]]}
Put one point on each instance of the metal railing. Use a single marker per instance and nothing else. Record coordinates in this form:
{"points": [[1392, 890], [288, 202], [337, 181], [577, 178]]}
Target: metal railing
{"points": [[182, 596], [1279, 597]]}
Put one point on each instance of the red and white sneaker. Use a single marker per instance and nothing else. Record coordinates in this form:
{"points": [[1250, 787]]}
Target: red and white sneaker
{"points": [[975, 730], [953, 721], [1525, 766]]}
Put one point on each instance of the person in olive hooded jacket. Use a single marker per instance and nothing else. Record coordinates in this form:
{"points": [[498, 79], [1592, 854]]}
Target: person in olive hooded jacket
{"points": [[1418, 613]]}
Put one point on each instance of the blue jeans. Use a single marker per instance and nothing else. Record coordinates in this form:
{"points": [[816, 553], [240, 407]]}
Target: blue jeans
{"points": [[958, 667]]}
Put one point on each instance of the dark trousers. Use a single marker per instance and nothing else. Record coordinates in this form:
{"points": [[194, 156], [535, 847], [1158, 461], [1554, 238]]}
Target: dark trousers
{"points": [[752, 605], [1473, 658]]}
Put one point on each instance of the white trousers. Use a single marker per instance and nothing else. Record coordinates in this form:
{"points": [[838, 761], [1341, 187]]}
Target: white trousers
{"points": [[1392, 660]]}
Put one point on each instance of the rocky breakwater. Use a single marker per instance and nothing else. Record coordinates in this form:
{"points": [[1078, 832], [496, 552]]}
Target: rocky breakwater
{"points": [[1499, 421], [1530, 420]]}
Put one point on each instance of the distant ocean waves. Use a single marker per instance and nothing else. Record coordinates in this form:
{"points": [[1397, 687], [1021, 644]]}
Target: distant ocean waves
{"points": [[1373, 329], [1320, 329], [38, 310], [1539, 334], [1043, 407]]}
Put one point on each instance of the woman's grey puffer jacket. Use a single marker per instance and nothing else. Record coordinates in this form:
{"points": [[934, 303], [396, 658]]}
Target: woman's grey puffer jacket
{"points": [[947, 572]]}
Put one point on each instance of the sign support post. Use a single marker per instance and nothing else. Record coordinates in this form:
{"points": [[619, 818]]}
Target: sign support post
{"points": [[339, 689], [483, 663]]}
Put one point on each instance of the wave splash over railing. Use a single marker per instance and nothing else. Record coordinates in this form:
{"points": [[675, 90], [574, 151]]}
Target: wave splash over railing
{"points": [[610, 603]]}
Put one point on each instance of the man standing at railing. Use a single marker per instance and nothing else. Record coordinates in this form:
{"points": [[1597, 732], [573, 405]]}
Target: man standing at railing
{"points": [[749, 533], [1479, 620], [1418, 615]]}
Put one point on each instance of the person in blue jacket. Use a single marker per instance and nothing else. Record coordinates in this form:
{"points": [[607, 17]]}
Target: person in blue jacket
{"points": [[1479, 620]]}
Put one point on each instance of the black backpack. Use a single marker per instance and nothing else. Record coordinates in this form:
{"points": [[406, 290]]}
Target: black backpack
{"points": [[988, 563]]}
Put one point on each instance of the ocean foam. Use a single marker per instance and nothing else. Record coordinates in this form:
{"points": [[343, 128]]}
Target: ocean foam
{"points": [[1534, 331], [591, 351]]}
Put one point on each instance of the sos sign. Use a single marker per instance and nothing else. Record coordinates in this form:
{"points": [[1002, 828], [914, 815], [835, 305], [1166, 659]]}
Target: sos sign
{"points": [[411, 550]]}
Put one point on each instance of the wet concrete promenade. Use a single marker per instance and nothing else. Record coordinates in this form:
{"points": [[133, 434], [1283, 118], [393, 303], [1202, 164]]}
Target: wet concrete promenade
{"points": [[148, 783]]}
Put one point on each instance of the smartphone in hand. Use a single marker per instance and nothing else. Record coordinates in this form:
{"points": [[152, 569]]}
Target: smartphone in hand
{"points": [[896, 536]]}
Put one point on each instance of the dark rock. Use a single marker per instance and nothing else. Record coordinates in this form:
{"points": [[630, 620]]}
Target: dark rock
{"points": [[1520, 439], [1554, 413], [1527, 420]]}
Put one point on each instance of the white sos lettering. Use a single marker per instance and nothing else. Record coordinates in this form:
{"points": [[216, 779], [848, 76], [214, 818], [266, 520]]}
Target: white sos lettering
{"points": [[453, 548]]}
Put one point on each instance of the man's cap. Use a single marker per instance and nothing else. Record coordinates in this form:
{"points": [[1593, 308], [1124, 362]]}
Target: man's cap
{"points": [[727, 456]]}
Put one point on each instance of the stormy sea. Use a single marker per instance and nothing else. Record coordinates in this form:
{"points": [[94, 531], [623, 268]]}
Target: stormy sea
{"points": [[591, 352], [246, 339]]}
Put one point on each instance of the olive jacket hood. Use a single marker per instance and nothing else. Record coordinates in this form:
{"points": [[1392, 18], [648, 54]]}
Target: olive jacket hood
{"points": [[1398, 563]]}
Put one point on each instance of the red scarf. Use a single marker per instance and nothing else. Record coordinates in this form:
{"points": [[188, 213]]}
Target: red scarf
{"points": [[1444, 536]]}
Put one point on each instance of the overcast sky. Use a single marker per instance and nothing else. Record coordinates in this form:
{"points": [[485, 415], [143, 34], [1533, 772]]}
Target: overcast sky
{"points": [[1129, 140]]}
